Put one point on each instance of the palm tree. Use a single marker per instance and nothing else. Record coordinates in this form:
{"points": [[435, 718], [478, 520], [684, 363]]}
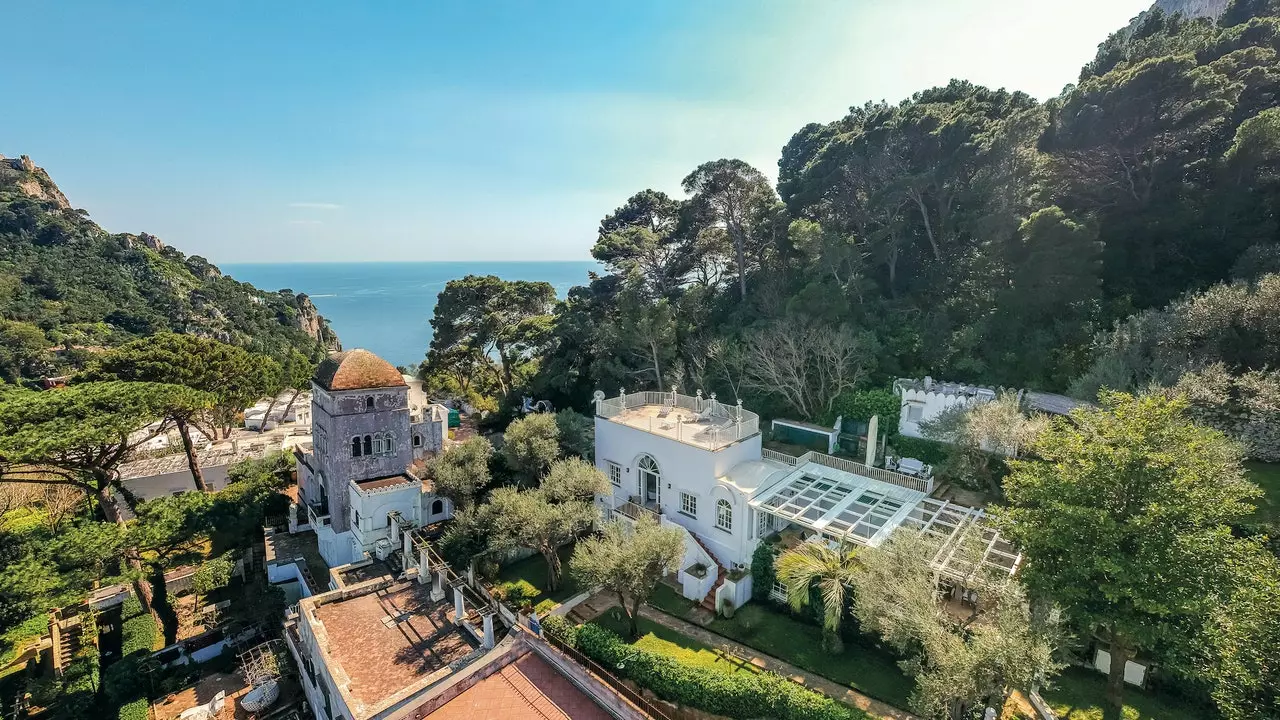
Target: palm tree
{"points": [[815, 564]]}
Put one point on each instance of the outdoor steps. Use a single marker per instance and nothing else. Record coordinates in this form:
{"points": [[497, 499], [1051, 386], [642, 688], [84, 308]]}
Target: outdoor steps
{"points": [[709, 602]]}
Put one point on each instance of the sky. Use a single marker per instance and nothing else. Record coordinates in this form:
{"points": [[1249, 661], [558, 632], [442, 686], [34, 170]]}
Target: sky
{"points": [[350, 131]]}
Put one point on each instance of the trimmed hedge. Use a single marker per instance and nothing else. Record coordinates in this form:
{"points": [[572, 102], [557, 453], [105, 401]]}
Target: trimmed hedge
{"points": [[135, 710], [730, 694], [560, 628], [927, 451], [122, 683]]}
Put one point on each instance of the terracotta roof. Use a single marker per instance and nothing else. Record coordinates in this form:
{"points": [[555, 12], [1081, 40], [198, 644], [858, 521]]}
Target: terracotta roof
{"points": [[527, 689], [385, 482], [357, 370]]}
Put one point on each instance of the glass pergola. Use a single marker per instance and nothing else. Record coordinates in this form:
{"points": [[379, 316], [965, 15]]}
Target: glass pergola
{"points": [[840, 506]]}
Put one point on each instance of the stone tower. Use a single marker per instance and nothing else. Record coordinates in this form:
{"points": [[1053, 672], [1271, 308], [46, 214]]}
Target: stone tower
{"points": [[360, 426]]}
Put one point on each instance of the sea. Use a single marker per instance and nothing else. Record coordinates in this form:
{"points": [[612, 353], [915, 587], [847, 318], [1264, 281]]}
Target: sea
{"points": [[386, 307]]}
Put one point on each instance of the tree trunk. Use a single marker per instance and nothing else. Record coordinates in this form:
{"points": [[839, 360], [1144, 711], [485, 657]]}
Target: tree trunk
{"points": [[739, 246], [657, 369], [928, 228], [832, 642], [553, 568], [294, 398], [271, 406], [192, 461], [635, 617], [1120, 654]]}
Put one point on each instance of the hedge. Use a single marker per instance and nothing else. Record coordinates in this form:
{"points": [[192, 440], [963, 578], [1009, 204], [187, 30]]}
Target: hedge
{"points": [[713, 691], [560, 628], [122, 683], [927, 451]]}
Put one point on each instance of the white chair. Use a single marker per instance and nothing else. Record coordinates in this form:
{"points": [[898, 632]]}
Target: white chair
{"points": [[207, 711], [910, 466]]}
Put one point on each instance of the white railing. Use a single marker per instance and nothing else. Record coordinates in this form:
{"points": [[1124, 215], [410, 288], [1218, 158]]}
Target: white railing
{"points": [[919, 484], [722, 425], [778, 457]]}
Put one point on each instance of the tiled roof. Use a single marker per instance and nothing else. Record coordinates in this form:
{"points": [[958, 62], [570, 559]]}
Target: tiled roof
{"points": [[357, 370], [527, 689]]}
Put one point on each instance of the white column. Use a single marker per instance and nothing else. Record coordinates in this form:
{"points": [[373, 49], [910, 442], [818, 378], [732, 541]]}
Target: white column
{"points": [[459, 608], [437, 585], [406, 550], [488, 631], [423, 570]]}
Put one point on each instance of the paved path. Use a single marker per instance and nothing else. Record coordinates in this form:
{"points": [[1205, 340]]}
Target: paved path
{"points": [[601, 602]]}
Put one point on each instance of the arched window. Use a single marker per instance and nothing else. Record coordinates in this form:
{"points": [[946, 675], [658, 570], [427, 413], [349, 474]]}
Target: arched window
{"points": [[437, 507], [368, 444], [355, 446], [377, 444], [417, 441], [368, 403], [388, 444], [724, 515]]}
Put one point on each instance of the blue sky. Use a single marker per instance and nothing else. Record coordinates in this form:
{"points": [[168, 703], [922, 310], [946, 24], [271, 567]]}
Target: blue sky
{"points": [[292, 131]]}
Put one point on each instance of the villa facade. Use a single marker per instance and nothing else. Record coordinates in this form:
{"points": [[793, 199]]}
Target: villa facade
{"points": [[359, 476], [699, 464]]}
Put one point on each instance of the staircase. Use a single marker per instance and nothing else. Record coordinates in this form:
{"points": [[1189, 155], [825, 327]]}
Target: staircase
{"points": [[709, 602]]}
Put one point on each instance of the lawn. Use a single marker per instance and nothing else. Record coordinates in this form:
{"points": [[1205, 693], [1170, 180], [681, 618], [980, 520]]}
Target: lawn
{"points": [[533, 569], [867, 669], [1078, 695], [661, 640], [1267, 475]]}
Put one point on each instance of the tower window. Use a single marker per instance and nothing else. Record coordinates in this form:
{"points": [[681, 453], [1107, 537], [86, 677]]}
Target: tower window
{"points": [[368, 444], [355, 446], [368, 403], [437, 507], [417, 441]]}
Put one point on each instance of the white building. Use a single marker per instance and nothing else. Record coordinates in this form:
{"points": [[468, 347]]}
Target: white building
{"points": [[924, 400], [698, 464], [358, 478]]}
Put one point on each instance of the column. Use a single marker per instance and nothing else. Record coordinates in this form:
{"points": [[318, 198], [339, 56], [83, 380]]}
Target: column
{"points": [[437, 584], [424, 570], [459, 608], [406, 552], [488, 631]]}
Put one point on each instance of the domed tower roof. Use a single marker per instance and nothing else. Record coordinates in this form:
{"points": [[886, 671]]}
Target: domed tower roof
{"points": [[357, 370]]}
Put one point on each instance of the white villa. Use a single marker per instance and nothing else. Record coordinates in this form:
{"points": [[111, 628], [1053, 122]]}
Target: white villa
{"points": [[358, 477], [925, 399], [698, 464]]}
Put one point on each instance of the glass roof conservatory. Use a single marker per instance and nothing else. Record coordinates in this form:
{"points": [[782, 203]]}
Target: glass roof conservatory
{"points": [[840, 506]]}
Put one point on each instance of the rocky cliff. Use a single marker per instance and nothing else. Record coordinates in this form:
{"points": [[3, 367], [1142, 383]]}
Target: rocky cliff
{"points": [[1194, 8], [68, 286]]}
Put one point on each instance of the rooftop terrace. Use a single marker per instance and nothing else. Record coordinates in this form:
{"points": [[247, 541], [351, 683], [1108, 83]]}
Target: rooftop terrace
{"points": [[385, 641], [693, 420]]}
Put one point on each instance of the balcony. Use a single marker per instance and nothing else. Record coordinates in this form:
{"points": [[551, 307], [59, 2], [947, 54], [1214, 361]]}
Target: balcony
{"points": [[694, 420], [318, 514], [633, 510]]}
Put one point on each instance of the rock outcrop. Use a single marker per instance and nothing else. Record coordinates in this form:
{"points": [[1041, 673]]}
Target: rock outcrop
{"points": [[31, 181], [310, 322]]}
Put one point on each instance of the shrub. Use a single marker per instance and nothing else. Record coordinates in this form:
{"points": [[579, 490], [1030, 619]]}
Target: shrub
{"points": [[928, 451], [135, 710], [762, 572], [710, 690], [560, 628], [861, 405], [77, 696], [516, 592]]}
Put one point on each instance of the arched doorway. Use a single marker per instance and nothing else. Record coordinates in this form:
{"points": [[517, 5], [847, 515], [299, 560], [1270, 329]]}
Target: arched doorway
{"points": [[650, 481]]}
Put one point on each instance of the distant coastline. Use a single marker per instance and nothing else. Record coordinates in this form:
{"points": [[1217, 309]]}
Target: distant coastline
{"points": [[386, 307]]}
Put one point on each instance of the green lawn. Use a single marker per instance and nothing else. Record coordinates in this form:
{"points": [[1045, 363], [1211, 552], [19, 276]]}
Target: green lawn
{"points": [[1078, 695], [869, 670], [1267, 475], [534, 570], [664, 641]]}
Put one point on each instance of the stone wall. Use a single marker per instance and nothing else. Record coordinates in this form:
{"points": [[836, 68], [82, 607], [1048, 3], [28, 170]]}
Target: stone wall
{"points": [[1245, 407]]}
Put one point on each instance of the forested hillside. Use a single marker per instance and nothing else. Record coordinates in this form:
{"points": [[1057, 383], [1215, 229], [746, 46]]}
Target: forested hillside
{"points": [[965, 232], [68, 287]]}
